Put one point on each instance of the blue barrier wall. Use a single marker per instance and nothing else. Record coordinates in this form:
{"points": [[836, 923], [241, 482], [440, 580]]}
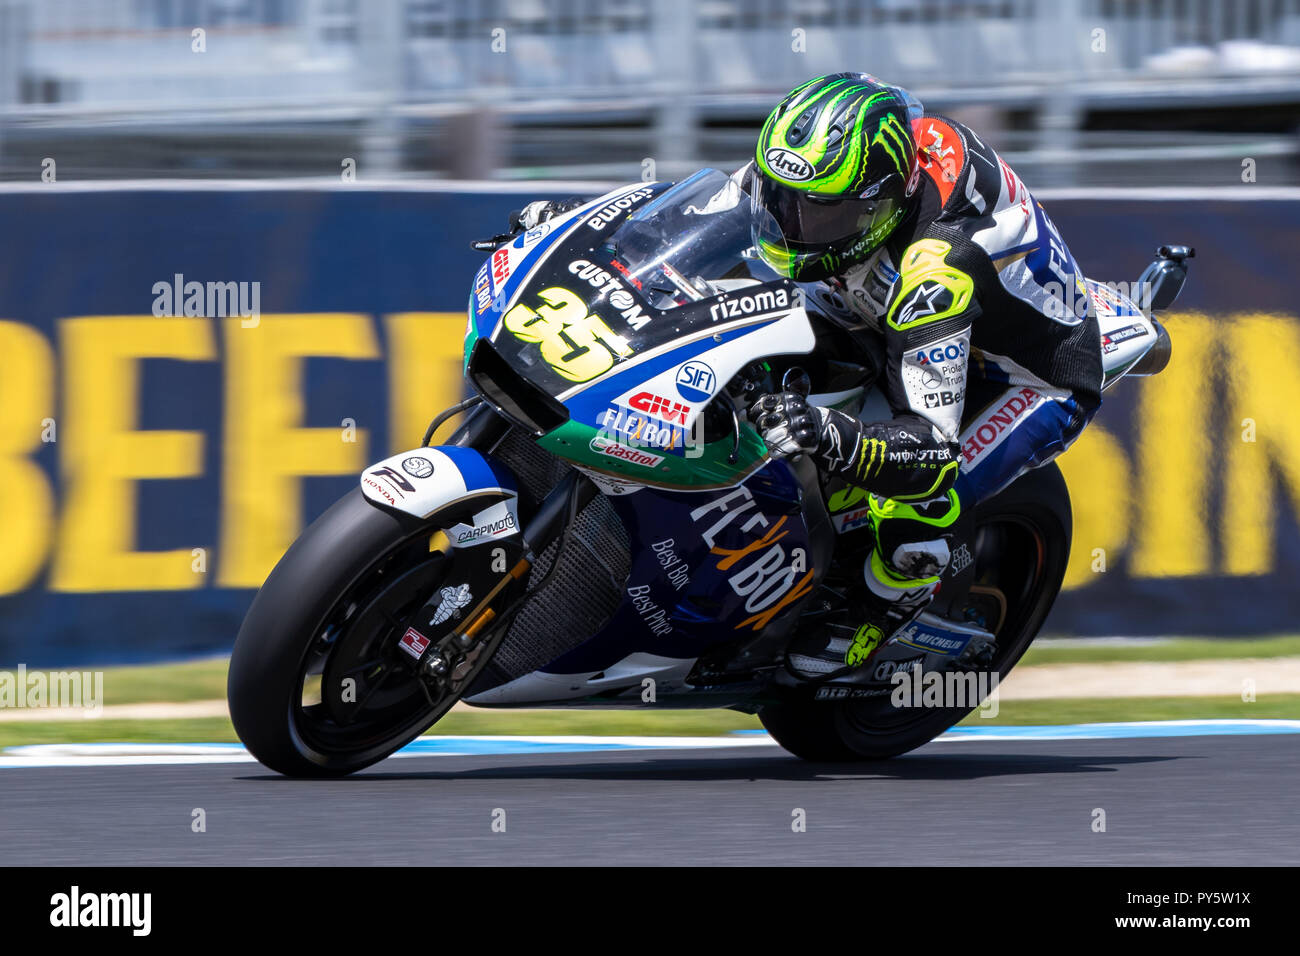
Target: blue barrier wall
{"points": [[153, 468]]}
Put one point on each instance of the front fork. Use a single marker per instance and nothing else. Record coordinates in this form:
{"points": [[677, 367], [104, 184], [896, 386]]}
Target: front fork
{"points": [[448, 638], [448, 663]]}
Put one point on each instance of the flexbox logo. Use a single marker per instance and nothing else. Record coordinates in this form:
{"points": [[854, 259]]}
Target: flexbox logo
{"points": [[77, 909]]}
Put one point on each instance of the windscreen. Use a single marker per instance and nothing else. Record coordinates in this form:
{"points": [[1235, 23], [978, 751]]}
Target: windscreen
{"points": [[600, 299], [675, 250]]}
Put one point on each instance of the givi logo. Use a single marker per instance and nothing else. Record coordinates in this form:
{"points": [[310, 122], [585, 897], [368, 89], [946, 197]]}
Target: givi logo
{"points": [[664, 409]]}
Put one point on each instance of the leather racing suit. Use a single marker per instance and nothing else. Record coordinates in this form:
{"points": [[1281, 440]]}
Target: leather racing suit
{"points": [[993, 362]]}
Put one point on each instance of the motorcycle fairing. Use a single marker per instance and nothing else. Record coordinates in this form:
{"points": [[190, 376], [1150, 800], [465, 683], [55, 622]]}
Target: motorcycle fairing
{"points": [[632, 352], [1127, 333], [646, 396], [508, 271], [424, 480], [711, 568]]}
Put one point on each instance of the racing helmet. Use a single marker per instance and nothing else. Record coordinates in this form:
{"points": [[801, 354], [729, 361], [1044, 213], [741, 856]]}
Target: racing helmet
{"points": [[836, 168]]}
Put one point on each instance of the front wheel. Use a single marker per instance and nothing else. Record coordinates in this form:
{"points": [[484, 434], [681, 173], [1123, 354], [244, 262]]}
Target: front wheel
{"points": [[317, 684], [1021, 545]]}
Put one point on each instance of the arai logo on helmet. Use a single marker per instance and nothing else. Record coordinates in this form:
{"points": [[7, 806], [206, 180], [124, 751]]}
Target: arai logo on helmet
{"points": [[788, 165], [695, 381]]}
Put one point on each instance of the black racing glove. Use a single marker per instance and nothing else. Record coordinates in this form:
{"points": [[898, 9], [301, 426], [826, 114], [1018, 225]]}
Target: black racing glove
{"points": [[532, 215], [788, 424]]}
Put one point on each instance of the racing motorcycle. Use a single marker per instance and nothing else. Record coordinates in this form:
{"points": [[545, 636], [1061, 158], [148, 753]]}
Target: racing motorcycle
{"points": [[606, 529]]}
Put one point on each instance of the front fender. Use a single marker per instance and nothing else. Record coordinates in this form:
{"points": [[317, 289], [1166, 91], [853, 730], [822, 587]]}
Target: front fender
{"points": [[477, 490]]}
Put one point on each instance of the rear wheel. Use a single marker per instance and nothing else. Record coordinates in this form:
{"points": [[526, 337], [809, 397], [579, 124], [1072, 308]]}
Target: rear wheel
{"points": [[1021, 545]]}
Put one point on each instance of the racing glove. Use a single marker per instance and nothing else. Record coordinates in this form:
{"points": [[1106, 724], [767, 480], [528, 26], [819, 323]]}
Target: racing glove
{"points": [[893, 458], [530, 217], [788, 424]]}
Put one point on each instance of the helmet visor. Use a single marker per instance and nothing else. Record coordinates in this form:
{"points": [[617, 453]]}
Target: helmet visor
{"points": [[809, 221]]}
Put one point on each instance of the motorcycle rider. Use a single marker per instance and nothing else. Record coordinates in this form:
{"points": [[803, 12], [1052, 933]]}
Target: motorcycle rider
{"points": [[928, 239], [993, 354]]}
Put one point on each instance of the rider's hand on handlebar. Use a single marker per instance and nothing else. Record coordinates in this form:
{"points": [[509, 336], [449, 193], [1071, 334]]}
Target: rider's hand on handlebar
{"points": [[538, 211], [788, 424], [530, 217]]}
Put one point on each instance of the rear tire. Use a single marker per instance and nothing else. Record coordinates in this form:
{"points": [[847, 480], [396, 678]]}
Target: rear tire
{"points": [[1039, 505], [808, 731]]}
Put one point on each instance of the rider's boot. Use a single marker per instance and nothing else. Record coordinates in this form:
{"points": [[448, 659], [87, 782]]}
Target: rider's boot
{"points": [[878, 611]]}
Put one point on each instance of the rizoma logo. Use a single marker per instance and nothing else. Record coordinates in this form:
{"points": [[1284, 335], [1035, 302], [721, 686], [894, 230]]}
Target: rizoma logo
{"points": [[664, 409], [788, 165], [764, 301], [633, 456], [611, 211], [695, 381]]}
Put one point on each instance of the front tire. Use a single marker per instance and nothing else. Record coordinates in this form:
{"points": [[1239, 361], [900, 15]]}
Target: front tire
{"points": [[330, 607]]}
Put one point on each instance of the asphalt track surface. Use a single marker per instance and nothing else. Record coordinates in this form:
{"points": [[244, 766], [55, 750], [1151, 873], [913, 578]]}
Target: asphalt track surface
{"points": [[1168, 801]]}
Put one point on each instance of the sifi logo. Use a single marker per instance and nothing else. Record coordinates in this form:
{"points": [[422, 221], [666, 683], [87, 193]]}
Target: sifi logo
{"points": [[664, 409], [788, 165], [695, 381]]}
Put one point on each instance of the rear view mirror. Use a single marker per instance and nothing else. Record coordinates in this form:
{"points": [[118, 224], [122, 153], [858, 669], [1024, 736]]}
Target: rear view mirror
{"points": [[1161, 281]]}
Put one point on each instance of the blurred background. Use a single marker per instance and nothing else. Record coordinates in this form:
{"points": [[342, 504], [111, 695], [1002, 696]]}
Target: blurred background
{"points": [[1072, 92], [335, 158]]}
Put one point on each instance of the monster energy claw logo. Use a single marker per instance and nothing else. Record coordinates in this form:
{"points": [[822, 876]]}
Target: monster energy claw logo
{"points": [[893, 137], [871, 455]]}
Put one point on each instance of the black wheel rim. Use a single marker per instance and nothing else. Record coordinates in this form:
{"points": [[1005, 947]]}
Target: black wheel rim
{"points": [[357, 640], [1011, 557]]}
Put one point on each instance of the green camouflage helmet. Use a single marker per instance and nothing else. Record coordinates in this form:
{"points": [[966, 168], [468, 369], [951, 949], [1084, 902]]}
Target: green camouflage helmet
{"points": [[835, 166]]}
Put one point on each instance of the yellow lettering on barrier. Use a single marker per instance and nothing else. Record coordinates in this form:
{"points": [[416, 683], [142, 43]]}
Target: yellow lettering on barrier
{"points": [[102, 455], [267, 451], [1097, 471], [26, 498], [1263, 352], [1174, 454], [425, 353]]}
